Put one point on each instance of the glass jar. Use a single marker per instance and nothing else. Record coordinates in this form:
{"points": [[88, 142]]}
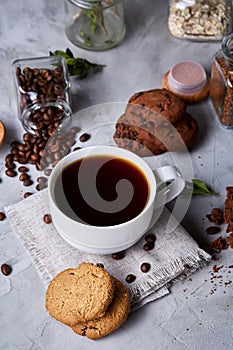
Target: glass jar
{"points": [[43, 92], [221, 86], [200, 19], [95, 25]]}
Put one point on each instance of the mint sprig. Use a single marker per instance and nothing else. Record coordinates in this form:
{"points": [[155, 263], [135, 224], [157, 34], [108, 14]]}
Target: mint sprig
{"points": [[77, 66], [200, 188]]}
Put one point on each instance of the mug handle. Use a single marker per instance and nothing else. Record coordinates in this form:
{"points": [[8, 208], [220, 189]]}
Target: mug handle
{"points": [[168, 192]]}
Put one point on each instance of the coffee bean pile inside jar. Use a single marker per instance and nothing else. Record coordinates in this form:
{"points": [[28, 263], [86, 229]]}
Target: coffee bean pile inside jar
{"points": [[200, 19], [43, 92], [221, 90]]}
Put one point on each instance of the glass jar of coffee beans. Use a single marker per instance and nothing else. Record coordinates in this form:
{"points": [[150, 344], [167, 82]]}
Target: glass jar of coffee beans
{"points": [[200, 19], [43, 93], [95, 24], [221, 86]]}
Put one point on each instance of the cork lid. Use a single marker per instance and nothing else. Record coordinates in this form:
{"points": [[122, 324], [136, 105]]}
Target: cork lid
{"points": [[2, 133], [187, 77]]}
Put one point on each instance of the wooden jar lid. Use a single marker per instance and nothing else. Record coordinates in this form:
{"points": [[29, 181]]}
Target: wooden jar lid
{"points": [[2, 133]]}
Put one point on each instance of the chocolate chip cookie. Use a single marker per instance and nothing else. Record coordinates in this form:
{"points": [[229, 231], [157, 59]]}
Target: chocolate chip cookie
{"points": [[182, 133], [163, 102], [138, 138], [145, 139]]}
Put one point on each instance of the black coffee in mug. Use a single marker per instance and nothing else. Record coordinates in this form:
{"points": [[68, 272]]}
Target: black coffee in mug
{"points": [[101, 190]]}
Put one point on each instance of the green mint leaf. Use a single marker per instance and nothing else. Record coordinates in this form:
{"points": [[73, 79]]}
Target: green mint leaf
{"points": [[77, 66], [200, 188], [60, 53], [71, 61], [69, 53]]}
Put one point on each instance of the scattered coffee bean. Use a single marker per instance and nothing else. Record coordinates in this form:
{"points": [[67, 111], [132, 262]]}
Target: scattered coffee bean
{"points": [[41, 179], [38, 187], [27, 182], [100, 265], [47, 171], [40, 149], [118, 255], [27, 194], [10, 172], [23, 177], [130, 278], [74, 130], [2, 216], [10, 165], [6, 269], [148, 246], [9, 158], [145, 267], [84, 137], [23, 169], [212, 230], [150, 237], [47, 218], [76, 149]]}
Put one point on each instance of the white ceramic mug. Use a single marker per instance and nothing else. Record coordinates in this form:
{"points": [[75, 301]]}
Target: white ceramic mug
{"points": [[110, 239]]}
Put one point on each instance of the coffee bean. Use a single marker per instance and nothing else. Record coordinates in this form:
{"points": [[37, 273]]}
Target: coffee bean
{"points": [[27, 137], [74, 130], [100, 265], [10, 165], [41, 186], [54, 163], [6, 269], [150, 237], [76, 149], [212, 230], [23, 169], [9, 158], [27, 182], [27, 194], [118, 255], [84, 137], [47, 218], [10, 172], [23, 177], [130, 278], [22, 160], [47, 171], [148, 246], [35, 157], [42, 180], [2, 216], [54, 148], [70, 142], [145, 267]]}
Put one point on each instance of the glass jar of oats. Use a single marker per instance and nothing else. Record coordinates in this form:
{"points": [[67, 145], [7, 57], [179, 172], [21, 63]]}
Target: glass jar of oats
{"points": [[221, 85], [200, 19]]}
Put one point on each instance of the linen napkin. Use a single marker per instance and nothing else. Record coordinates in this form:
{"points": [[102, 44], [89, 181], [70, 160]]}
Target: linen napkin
{"points": [[175, 254]]}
